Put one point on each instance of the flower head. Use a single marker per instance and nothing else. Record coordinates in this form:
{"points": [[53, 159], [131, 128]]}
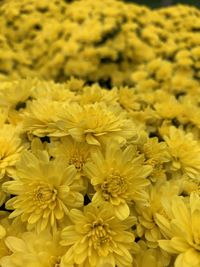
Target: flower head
{"points": [[184, 152], [119, 177], [155, 154], [75, 153], [45, 190], [96, 238], [128, 99], [39, 250], [8, 227], [184, 238], [96, 123], [10, 149], [95, 93], [41, 116]]}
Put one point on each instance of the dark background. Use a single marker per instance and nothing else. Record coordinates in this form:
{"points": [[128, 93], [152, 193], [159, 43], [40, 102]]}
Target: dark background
{"points": [[160, 3]]}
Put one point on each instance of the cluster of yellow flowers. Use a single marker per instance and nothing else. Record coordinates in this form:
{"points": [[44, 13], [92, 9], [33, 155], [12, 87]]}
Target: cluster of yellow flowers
{"points": [[87, 39], [91, 177], [95, 177], [108, 41]]}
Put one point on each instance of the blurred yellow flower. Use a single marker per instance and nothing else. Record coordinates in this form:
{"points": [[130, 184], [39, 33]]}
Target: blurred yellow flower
{"points": [[41, 116], [34, 250], [96, 123], [8, 227], [10, 149], [128, 99], [151, 257], [95, 93], [184, 152]]}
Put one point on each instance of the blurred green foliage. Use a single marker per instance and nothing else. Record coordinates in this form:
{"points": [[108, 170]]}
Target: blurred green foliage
{"points": [[155, 4]]}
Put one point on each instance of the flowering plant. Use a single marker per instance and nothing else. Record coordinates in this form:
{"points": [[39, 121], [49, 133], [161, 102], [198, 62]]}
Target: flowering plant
{"points": [[95, 176], [91, 177]]}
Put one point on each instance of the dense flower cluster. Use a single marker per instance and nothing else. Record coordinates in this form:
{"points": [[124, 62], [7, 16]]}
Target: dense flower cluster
{"points": [[108, 41], [91, 177], [97, 177]]}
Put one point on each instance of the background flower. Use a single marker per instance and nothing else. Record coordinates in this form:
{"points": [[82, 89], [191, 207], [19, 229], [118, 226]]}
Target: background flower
{"points": [[41, 250]]}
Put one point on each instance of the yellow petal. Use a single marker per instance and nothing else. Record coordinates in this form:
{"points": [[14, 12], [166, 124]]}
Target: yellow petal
{"points": [[69, 236], [122, 211], [15, 244], [2, 232], [91, 140], [34, 218], [15, 213], [166, 245], [192, 257], [179, 244]]}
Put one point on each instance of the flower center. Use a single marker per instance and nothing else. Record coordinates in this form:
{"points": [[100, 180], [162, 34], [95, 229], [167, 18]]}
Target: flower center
{"points": [[100, 234], [113, 186], [77, 160], [44, 193]]}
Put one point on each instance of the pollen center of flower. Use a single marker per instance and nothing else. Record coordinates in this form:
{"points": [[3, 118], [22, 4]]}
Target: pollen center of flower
{"points": [[100, 234], [44, 193], [113, 186], [77, 160]]}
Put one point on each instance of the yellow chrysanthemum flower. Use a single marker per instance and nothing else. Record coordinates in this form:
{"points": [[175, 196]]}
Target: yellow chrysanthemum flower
{"points": [[184, 239], [151, 257], [189, 186], [95, 93], [184, 152], [159, 201], [8, 227], [119, 177], [45, 190], [33, 250], [168, 107], [96, 238], [14, 94], [95, 124], [128, 99], [54, 91], [156, 155], [41, 117], [75, 153], [10, 149]]}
